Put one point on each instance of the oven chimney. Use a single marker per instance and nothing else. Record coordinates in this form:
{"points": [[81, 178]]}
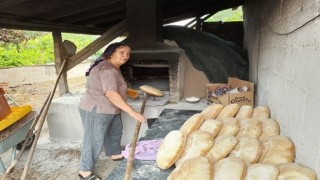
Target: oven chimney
{"points": [[150, 56], [144, 23]]}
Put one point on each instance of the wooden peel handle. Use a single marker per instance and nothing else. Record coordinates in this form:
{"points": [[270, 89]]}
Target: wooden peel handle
{"points": [[134, 143]]}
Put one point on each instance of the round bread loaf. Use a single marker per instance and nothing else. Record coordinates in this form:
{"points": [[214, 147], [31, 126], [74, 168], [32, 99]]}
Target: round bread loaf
{"points": [[229, 169], [151, 90], [192, 124], [211, 126], [248, 149], [230, 127], [198, 144], [193, 169], [277, 150], [229, 111], [270, 128], [170, 149], [250, 127], [261, 112], [211, 111], [294, 171], [222, 146], [245, 111], [262, 172]]}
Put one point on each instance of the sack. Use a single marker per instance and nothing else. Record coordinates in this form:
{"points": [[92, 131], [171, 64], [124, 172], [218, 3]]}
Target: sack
{"points": [[5, 109]]}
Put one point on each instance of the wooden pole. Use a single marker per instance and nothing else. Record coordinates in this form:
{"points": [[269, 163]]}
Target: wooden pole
{"points": [[41, 122], [134, 142]]}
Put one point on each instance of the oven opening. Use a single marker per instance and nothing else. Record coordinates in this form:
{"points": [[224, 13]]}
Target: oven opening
{"points": [[148, 72]]}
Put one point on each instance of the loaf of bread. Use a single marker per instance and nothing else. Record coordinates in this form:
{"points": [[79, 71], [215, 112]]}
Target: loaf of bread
{"points": [[193, 169], [250, 127], [212, 111], [170, 149], [229, 169], [245, 111], [192, 124], [294, 171], [277, 150], [230, 126], [211, 126], [261, 112], [151, 90], [248, 149], [262, 172], [198, 144], [270, 128], [229, 110], [222, 146]]}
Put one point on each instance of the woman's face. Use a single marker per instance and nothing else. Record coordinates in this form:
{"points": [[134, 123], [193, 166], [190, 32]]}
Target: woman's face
{"points": [[120, 56]]}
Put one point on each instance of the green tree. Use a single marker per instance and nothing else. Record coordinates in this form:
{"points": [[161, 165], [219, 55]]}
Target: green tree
{"points": [[227, 15], [25, 48]]}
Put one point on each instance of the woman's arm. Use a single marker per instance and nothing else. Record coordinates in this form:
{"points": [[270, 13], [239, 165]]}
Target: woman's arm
{"points": [[118, 101]]}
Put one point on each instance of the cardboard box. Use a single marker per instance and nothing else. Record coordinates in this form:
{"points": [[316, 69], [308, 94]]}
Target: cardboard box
{"points": [[242, 98]]}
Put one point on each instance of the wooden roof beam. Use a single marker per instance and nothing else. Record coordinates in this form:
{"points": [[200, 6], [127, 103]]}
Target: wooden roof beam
{"points": [[97, 44], [8, 3], [95, 13], [11, 22], [70, 11]]}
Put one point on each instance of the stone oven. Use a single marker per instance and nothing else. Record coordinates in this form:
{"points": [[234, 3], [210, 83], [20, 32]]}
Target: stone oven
{"points": [[151, 60]]}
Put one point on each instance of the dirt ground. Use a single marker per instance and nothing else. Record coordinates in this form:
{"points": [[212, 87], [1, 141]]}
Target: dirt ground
{"points": [[52, 159]]}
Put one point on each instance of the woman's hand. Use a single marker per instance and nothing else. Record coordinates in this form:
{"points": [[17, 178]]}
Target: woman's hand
{"points": [[137, 116], [118, 101]]}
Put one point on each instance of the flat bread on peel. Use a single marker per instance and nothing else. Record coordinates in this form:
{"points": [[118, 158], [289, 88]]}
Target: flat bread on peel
{"points": [[151, 90], [170, 149]]}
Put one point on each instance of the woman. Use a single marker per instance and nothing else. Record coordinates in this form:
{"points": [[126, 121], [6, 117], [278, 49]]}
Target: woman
{"points": [[100, 109]]}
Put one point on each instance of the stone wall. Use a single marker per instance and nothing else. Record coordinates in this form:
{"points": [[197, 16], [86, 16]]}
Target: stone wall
{"points": [[284, 53], [32, 74]]}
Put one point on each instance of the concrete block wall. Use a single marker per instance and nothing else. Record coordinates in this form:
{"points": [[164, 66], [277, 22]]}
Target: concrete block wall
{"points": [[33, 74], [284, 54]]}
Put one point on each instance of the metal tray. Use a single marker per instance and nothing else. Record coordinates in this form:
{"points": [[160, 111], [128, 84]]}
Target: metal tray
{"points": [[18, 135]]}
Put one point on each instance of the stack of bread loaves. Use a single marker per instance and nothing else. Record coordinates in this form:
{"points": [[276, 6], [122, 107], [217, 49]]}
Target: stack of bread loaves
{"points": [[232, 142]]}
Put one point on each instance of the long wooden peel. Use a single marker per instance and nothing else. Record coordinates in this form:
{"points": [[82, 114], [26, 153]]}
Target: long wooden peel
{"points": [[41, 121], [147, 90]]}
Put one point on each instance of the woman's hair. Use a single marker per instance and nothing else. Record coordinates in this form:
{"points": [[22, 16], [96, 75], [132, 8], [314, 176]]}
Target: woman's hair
{"points": [[111, 49], [106, 55]]}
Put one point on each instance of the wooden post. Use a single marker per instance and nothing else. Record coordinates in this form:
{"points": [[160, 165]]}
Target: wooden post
{"points": [[59, 56]]}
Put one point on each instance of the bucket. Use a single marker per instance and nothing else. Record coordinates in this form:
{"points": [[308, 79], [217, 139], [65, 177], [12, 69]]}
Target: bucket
{"points": [[5, 109]]}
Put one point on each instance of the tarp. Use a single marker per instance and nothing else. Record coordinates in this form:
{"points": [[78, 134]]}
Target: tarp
{"points": [[217, 58]]}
